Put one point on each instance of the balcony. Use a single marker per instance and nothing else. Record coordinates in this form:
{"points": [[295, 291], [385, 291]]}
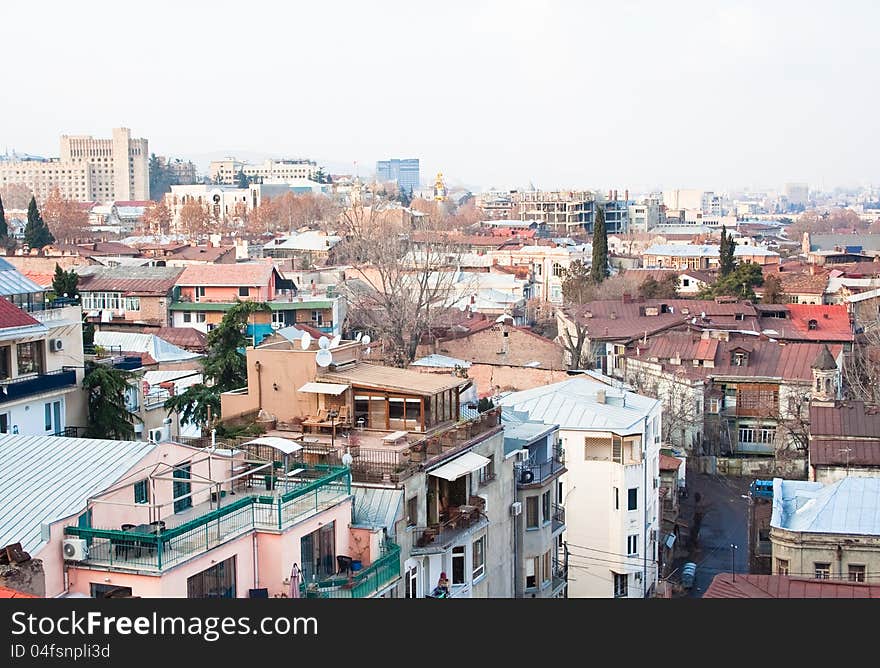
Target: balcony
{"points": [[560, 576], [532, 473], [376, 577], [284, 504], [13, 389], [558, 518], [440, 537]]}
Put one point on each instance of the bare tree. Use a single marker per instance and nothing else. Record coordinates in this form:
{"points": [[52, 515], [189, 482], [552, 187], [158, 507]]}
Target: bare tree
{"points": [[157, 218], [193, 219], [395, 290], [15, 196], [575, 341], [67, 220]]}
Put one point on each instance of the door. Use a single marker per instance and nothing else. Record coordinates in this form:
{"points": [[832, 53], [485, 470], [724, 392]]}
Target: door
{"points": [[56, 414], [181, 488]]}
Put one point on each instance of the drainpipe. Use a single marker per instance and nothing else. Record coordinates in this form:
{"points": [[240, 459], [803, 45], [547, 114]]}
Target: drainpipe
{"points": [[258, 366], [645, 522]]}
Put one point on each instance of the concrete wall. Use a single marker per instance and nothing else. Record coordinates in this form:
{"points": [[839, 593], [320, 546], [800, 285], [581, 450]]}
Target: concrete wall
{"points": [[829, 474], [794, 468]]}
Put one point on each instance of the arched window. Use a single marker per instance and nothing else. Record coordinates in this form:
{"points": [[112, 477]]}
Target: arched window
{"points": [[828, 385], [818, 385]]}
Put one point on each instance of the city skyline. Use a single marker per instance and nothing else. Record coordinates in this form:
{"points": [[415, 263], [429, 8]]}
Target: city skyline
{"points": [[722, 97]]}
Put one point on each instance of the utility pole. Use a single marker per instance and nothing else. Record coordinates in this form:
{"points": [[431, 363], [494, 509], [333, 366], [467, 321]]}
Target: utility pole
{"points": [[733, 560]]}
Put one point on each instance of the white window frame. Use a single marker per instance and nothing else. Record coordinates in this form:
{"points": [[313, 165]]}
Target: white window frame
{"points": [[632, 545], [479, 570]]}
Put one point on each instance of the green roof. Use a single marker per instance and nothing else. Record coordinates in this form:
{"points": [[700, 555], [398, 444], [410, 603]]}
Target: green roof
{"points": [[274, 306]]}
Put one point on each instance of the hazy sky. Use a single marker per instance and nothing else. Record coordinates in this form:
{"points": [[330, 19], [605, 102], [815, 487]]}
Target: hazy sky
{"points": [[493, 93]]}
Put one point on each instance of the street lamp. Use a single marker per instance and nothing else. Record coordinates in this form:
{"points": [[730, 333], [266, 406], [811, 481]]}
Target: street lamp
{"points": [[733, 560]]}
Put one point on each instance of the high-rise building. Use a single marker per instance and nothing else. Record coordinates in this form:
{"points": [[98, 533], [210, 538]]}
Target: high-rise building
{"points": [[88, 169], [404, 172]]}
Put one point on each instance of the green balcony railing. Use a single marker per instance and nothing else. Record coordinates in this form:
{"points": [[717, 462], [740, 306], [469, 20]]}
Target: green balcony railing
{"points": [[168, 547], [363, 584]]}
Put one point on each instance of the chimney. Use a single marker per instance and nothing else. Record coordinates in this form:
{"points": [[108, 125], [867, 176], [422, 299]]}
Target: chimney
{"points": [[609, 194], [626, 195], [600, 396], [615, 194]]}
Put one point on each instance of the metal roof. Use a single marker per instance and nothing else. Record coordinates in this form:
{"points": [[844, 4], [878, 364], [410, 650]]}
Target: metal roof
{"points": [[572, 404], [13, 282], [848, 506], [376, 507], [441, 361], [159, 349], [47, 478]]}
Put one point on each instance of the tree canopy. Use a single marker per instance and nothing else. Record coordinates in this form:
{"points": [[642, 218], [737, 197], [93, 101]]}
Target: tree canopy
{"points": [[599, 269], [36, 232], [109, 417], [64, 283], [739, 283], [666, 288], [726, 260]]}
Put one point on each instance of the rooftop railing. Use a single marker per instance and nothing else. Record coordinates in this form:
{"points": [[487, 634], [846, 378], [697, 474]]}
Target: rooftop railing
{"points": [[363, 584], [26, 386]]}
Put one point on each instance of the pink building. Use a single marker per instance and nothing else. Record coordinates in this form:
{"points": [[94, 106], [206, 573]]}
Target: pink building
{"points": [[214, 283], [167, 520]]}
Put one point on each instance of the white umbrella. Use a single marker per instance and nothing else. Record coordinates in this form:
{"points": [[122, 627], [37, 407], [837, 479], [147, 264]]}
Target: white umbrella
{"points": [[294, 581]]}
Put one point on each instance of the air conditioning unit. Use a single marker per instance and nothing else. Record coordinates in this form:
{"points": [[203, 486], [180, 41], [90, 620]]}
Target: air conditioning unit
{"points": [[157, 435], [515, 508], [56, 345], [75, 549]]}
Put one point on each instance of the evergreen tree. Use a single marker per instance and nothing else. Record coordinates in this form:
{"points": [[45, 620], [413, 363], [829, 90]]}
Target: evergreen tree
{"points": [[109, 417], [4, 230], [599, 270], [242, 181], [64, 282], [726, 261], [36, 232]]}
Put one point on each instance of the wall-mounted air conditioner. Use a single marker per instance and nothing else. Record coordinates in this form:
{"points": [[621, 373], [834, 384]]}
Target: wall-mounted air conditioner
{"points": [[515, 508], [75, 549], [157, 435], [56, 345]]}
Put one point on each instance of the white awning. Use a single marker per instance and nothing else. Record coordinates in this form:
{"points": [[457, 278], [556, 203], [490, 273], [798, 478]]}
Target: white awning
{"points": [[324, 388], [467, 463], [285, 445]]}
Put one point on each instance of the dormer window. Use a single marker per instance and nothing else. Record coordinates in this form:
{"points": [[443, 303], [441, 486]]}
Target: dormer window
{"points": [[740, 358], [813, 324]]}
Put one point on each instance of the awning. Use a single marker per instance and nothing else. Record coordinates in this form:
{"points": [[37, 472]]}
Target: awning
{"points": [[285, 445], [324, 388], [467, 463]]}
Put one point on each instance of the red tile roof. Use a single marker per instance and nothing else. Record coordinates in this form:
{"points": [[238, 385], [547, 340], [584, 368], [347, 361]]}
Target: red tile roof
{"points": [[784, 586], [6, 592], [12, 316], [133, 281], [246, 274], [832, 323], [43, 280]]}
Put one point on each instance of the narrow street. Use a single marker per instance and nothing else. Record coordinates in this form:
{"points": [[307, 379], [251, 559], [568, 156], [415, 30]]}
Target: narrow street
{"points": [[724, 522]]}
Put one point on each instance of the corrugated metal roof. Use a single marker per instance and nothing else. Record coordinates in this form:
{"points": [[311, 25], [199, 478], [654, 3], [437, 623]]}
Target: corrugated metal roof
{"points": [[441, 361], [728, 585], [847, 418], [130, 280], [377, 507], [840, 452], [12, 316], [159, 349], [572, 404], [705, 250], [13, 282], [45, 478], [848, 506]]}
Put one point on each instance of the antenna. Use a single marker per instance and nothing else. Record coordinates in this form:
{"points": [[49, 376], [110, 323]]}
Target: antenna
{"points": [[323, 357], [335, 341], [305, 341], [323, 343]]}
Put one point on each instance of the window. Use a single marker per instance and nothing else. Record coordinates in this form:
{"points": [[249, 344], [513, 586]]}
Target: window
{"points": [[200, 317], [487, 473], [412, 511], [782, 566], [558, 269], [187, 317], [685, 282], [200, 292], [616, 449], [5, 371], [29, 359], [740, 359], [616, 493], [141, 492], [812, 324], [244, 291], [547, 570], [48, 416], [632, 544], [215, 582], [479, 557], [458, 576], [856, 573], [746, 435], [632, 499], [822, 570], [621, 590], [132, 303], [411, 579], [532, 512], [546, 505], [131, 398], [100, 590], [531, 573], [318, 318]]}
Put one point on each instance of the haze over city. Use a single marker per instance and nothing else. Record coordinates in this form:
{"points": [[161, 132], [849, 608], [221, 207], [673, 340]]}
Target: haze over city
{"points": [[636, 94]]}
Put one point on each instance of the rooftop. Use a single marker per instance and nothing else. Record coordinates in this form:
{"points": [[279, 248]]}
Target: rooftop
{"points": [[58, 487], [850, 419], [575, 404], [392, 378], [159, 349], [740, 585], [130, 280], [13, 282], [847, 506], [12, 317], [224, 275], [707, 250]]}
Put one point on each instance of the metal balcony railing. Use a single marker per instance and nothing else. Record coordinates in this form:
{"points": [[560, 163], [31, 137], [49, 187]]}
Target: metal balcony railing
{"points": [[362, 584], [558, 516], [530, 472], [19, 388]]}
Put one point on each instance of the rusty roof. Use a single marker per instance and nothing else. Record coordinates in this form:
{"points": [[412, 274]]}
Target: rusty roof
{"points": [[842, 452], [668, 463], [246, 274], [829, 323], [143, 281], [846, 418], [723, 585]]}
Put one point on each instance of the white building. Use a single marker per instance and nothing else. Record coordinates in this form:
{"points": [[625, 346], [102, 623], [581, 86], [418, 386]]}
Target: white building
{"points": [[548, 264], [611, 439], [88, 169], [226, 171], [683, 199], [643, 217]]}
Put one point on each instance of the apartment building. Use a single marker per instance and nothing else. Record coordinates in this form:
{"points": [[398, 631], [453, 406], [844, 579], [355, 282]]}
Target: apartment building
{"points": [[404, 172], [547, 265], [563, 212], [540, 555], [226, 171], [434, 473], [127, 296], [87, 170], [611, 439], [702, 256], [644, 216]]}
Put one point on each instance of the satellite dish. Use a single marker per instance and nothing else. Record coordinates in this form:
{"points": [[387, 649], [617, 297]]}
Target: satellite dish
{"points": [[335, 341], [305, 341], [358, 337], [323, 357], [366, 340], [323, 343]]}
